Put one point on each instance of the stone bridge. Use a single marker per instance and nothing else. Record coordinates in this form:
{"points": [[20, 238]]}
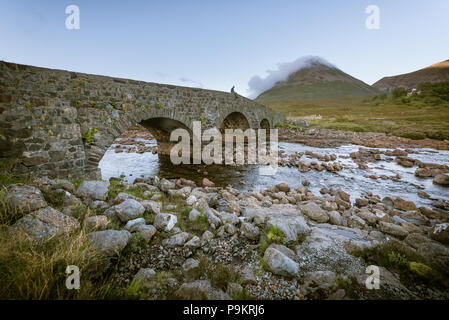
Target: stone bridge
{"points": [[60, 123]]}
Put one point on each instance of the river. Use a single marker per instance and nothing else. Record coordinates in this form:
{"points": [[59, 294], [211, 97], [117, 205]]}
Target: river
{"points": [[350, 179]]}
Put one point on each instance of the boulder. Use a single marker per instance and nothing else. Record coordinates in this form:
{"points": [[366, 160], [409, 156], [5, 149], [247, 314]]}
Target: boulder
{"points": [[423, 172], [212, 218], [176, 240], [279, 263], [314, 212], [99, 205], [441, 179], [132, 225], [109, 242], [207, 235], [250, 231], [193, 243], [429, 213], [45, 223], [207, 183], [166, 185], [283, 187], [191, 200], [151, 206], [123, 196], [95, 190], [165, 221], [392, 229], [194, 215], [359, 202], [344, 196], [144, 274], [127, 210], [401, 204], [200, 290], [146, 231], [190, 265], [335, 218], [247, 276], [366, 215], [24, 199]]}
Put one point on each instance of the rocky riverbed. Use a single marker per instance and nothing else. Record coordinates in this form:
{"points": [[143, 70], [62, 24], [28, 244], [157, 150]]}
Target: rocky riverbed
{"points": [[183, 240], [220, 232]]}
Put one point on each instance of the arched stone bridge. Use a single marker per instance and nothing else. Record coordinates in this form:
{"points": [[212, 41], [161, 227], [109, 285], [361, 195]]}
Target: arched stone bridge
{"points": [[60, 123]]}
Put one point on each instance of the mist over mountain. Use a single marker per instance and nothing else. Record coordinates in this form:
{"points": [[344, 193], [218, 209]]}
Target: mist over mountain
{"points": [[258, 85], [307, 78]]}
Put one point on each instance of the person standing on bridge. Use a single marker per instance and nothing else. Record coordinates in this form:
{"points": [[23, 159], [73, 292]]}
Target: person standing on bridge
{"points": [[233, 91]]}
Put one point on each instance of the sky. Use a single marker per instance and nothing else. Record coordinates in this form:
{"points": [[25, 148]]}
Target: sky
{"points": [[216, 44]]}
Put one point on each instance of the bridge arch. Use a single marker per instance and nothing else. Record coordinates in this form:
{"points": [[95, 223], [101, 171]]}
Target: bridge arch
{"points": [[235, 120]]}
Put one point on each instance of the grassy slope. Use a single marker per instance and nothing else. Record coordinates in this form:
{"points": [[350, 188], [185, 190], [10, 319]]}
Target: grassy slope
{"points": [[405, 117], [324, 89]]}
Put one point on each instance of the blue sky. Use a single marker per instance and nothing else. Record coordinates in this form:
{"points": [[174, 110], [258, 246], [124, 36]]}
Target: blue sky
{"points": [[217, 44]]}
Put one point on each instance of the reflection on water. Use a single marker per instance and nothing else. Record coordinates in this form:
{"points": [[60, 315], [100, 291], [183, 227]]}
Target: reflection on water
{"points": [[351, 179]]}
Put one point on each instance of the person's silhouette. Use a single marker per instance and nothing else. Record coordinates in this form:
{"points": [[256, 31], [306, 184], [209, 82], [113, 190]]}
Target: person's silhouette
{"points": [[232, 89]]}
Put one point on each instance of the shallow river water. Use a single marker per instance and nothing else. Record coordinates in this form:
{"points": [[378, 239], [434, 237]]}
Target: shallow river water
{"points": [[350, 179]]}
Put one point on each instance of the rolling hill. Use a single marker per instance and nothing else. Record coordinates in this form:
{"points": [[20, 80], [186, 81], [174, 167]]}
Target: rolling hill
{"points": [[435, 73], [316, 81]]}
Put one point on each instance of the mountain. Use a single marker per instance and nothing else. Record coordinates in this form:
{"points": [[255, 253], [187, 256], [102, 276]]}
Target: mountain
{"points": [[316, 81], [435, 73]]}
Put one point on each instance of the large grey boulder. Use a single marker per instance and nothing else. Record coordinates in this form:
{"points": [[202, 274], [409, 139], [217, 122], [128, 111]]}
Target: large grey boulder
{"points": [[144, 274], [325, 249], [279, 263], [165, 221], [146, 231], [46, 223], [194, 214], [151, 206], [109, 242], [250, 231], [212, 218], [96, 190], [285, 216], [193, 243], [314, 212], [199, 290], [132, 225], [127, 210], [24, 199], [393, 230], [166, 185], [176, 240]]}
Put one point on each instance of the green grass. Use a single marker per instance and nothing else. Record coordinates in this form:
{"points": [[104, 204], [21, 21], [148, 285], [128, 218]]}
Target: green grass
{"points": [[269, 236], [36, 270], [115, 188], [412, 267], [409, 117]]}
